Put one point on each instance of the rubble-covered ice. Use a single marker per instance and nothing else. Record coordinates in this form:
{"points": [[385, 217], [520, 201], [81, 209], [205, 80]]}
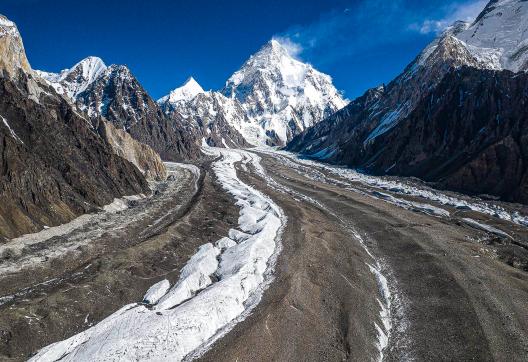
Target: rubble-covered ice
{"points": [[219, 285]]}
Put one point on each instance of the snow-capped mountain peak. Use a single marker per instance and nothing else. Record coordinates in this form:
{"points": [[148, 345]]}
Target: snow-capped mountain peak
{"points": [[186, 92], [273, 60], [71, 82], [281, 93]]}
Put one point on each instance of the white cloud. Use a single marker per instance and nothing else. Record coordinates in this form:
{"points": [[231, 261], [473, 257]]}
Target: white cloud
{"points": [[466, 11], [293, 48]]}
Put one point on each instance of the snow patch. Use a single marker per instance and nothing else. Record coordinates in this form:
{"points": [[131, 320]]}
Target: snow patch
{"points": [[155, 292]]}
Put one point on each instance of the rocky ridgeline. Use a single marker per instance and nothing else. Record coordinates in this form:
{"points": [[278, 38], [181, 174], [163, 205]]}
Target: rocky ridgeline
{"points": [[455, 116], [115, 94], [55, 166]]}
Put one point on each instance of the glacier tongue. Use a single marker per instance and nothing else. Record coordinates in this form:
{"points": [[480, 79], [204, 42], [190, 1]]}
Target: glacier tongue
{"points": [[199, 308]]}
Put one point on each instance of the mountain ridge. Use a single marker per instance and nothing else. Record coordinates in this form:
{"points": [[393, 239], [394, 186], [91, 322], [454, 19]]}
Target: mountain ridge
{"points": [[114, 93], [55, 166], [279, 95], [376, 133]]}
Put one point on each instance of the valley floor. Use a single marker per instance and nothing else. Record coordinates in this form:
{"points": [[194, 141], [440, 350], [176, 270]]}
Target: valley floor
{"points": [[366, 271]]}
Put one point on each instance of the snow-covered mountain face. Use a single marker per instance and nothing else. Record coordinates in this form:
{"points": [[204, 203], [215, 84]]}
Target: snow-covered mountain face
{"points": [[72, 82], [499, 35], [186, 92], [283, 95], [448, 116], [269, 100]]}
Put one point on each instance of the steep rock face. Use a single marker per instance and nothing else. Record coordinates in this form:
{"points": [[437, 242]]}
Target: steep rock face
{"points": [[139, 154], [283, 95], [439, 119], [54, 166], [468, 134], [381, 109], [115, 94], [13, 56]]}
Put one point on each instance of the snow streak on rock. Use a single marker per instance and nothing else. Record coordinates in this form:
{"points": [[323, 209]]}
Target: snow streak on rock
{"points": [[217, 288]]}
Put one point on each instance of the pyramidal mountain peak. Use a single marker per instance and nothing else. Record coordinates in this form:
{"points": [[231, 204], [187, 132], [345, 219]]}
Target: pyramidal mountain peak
{"points": [[186, 92], [283, 94]]}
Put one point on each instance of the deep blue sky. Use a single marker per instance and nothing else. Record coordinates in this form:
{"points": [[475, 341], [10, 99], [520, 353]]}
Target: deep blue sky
{"points": [[360, 43]]}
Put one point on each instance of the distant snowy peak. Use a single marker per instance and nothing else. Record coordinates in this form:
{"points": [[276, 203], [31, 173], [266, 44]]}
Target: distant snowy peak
{"points": [[72, 82], [186, 92], [274, 65], [283, 94]]}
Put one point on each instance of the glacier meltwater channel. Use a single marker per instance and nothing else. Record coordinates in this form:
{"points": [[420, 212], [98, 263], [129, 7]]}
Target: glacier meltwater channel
{"points": [[183, 320]]}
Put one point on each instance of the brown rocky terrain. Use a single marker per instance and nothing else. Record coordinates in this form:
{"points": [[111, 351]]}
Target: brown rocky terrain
{"points": [[139, 154], [54, 165]]}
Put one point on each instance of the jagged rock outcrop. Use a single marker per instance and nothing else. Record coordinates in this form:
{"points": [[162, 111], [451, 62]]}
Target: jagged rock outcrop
{"points": [[115, 94], [139, 154], [13, 56], [454, 117], [54, 166]]}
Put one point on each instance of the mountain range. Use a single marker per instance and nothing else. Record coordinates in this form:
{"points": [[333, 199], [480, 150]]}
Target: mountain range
{"points": [[456, 116], [55, 165], [270, 99]]}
